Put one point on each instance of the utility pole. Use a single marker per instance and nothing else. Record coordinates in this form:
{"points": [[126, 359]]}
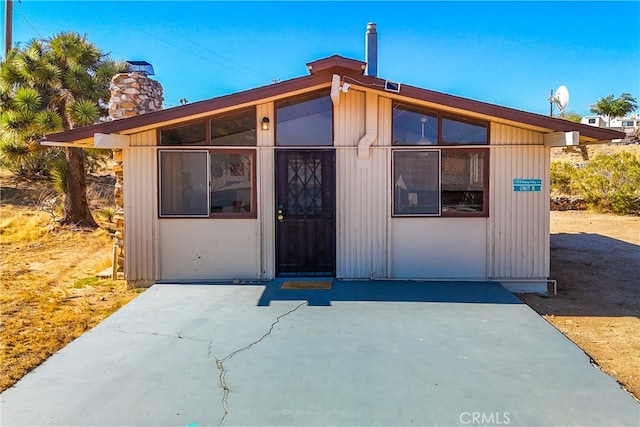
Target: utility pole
{"points": [[8, 27]]}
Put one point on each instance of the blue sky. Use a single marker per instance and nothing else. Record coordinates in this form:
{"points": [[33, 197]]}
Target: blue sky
{"points": [[507, 53]]}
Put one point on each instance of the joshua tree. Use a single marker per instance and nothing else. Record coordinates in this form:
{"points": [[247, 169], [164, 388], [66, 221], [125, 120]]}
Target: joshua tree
{"points": [[53, 85]]}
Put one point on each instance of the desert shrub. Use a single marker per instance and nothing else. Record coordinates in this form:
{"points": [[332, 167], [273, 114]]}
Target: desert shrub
{"points": [[108, 213], [563, 175], [611, 182]]}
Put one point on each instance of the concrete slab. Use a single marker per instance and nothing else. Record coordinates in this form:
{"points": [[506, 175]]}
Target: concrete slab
{"points": [[360, 354]]}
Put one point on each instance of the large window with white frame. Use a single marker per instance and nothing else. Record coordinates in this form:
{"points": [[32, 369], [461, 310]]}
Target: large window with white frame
{"points": [[440, 182]]}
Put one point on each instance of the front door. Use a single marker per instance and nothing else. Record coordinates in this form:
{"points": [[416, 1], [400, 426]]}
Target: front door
{"points": [[305, 213]]}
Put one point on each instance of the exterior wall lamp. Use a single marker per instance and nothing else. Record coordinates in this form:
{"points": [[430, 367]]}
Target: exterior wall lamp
{"points": [[265, 123]]}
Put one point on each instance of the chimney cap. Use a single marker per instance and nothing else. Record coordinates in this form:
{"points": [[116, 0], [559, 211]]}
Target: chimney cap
{"points": [[140, 67]]}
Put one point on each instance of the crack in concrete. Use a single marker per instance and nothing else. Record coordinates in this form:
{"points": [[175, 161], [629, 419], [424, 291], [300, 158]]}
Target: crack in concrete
{"points": [[220, 363], [178, 336]]}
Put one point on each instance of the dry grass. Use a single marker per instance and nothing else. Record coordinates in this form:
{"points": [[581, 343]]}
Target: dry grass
{"points": [[574, 156], [49, 293]]}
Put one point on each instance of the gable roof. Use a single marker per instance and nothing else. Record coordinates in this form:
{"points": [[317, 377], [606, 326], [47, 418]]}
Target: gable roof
{"points": [[321, 72]]}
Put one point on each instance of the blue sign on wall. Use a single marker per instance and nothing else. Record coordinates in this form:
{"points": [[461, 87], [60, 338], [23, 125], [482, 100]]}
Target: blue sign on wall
{"points": [[532, 184]]}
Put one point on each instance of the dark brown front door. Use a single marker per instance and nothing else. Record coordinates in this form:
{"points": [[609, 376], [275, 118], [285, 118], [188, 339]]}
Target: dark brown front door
{"points": [[305, 213]]}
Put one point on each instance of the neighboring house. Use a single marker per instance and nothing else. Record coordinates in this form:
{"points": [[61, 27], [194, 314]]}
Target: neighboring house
{"points": [[630, 125], [598, 121], [339, 174]]}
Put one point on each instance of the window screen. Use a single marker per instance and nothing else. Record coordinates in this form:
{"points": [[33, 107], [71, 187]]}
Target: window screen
{"points": [[183, 183], [416, 182]]}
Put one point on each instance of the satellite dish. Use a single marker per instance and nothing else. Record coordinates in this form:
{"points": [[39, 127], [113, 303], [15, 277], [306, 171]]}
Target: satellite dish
{"points": [[560, 99]]}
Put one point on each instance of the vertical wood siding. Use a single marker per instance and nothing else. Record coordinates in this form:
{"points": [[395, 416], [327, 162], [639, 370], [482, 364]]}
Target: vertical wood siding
{"points": [[349, 118], [361, 194], [144, 139], [518, 232], [141, 213], [362, 200], [266, 193]]}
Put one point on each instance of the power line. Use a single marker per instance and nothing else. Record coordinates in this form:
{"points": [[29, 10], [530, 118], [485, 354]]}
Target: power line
{"points": [[217, 54], [27, 21], [204, 58]]}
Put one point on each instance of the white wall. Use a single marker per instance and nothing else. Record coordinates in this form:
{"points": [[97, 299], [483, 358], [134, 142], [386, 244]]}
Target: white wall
{"points": [[513, 243], [438, 248], [518, 228], [141, 208], [208, 249]]}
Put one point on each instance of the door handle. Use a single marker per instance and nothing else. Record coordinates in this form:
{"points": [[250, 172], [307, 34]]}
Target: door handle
{"points": [[280, 216]]}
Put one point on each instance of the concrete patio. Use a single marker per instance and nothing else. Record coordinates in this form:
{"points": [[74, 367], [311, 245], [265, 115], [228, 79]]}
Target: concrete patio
{"points": [[360, 354]]}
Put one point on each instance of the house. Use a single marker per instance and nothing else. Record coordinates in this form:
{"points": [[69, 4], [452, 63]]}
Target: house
{"points": [[630, 125], [337, 173]]}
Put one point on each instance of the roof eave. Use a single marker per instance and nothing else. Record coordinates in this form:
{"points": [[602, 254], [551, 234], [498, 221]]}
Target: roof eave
{"points": [[134, 124], [496, 113], [322, 70]]}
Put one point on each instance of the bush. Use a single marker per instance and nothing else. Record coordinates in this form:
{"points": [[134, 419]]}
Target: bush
{"points": [[608, 182], [611, 182], [563, 174]]}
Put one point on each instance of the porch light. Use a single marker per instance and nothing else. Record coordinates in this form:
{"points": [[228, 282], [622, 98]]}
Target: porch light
{"points": [[265, 123]]}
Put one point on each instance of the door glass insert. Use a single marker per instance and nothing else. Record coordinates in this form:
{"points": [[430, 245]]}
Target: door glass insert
{"points": [[305, 187]]}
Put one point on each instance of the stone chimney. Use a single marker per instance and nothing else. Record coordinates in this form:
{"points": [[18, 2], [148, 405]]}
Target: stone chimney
{"points": [[132, 94]]}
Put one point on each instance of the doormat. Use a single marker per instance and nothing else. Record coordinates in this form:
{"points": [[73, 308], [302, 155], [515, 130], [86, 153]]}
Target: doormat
{"points": [[307, 284]]}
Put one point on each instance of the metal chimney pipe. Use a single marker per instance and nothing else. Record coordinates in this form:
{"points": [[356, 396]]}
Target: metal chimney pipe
{"points": [[371, 50]]}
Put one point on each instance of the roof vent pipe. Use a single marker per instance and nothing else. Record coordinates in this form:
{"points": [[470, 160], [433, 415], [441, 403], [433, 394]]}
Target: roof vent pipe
{"points": [[371, 50]]}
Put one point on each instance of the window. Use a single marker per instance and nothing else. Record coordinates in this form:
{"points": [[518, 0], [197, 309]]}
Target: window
{"points": [[305, 121], [234, 129], [592, 121], [446, 182], [416, 182], [230, 129], [463, 184], [191, 134], [627, 123], [183, 183], [207, 183], [414, 125], [231, 182], [464, 132]]}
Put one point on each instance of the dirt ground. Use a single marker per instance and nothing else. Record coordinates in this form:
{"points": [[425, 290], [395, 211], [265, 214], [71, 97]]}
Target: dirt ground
{"points": [[596, 260], [49, 293]]}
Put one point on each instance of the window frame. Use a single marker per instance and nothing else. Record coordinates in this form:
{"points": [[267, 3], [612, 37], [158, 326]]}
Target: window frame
{"points": [[393, 182], [442, 154], [440, 115], [160, 214], [307, 96], [208, 142], [253, 211]]}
